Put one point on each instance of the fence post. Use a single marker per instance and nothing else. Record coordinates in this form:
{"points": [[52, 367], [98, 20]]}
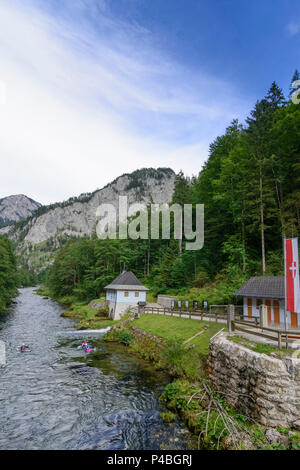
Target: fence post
{"points": [[230, 318], [263, 313], [279, 340], [141, 309]]}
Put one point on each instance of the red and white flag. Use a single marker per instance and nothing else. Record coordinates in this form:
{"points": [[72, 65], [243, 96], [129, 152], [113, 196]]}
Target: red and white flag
{"points": [[292, 284]]}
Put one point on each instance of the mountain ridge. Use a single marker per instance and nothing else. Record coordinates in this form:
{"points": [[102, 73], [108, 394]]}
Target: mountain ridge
{"points": [[42, 233], [16, 207]]}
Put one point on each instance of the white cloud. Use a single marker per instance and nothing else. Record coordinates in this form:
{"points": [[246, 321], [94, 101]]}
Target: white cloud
{"points": [[293, 28], [87, 102]]}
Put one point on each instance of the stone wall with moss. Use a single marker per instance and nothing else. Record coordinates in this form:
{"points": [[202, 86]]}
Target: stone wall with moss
{"points": [[145, 344], [264, 388], [149, 346]]}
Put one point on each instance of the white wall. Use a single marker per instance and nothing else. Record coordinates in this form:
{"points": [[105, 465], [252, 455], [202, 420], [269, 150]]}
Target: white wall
{"points": [[255, 311], [131, 296], [118, 304], [111, 295]]}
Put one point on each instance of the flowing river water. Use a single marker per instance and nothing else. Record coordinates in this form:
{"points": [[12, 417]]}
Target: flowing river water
{"points": [[57, 397]]}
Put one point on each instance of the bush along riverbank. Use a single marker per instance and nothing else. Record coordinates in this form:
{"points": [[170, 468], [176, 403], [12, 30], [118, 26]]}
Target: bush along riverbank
{"points": [[90, 315], [181, 347], [9, 276]]}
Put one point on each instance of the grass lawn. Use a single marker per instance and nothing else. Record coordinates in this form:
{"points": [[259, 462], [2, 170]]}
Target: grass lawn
{"points": [[181, 329], [97, 324]]}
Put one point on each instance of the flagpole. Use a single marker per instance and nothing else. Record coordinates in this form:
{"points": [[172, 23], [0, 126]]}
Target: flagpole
{"points": [[285, 311]]}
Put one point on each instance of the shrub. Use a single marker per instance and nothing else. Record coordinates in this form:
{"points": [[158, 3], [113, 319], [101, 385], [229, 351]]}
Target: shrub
{"points": [[102, 312], [168, 417], [201, 279], [173, 357], [125, 337]]}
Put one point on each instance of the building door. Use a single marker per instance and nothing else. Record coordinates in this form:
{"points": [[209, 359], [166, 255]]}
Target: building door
{"points": [[249, 307], [268, 304], [294, 320], [276, 312]]}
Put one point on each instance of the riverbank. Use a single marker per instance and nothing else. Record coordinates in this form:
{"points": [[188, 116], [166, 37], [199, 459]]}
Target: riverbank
{"points": [[89, 315], [181, 347]]}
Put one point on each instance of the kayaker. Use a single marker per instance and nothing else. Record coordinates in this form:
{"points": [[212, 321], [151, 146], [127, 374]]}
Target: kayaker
{"points": [[84, 345], [24, 347]]}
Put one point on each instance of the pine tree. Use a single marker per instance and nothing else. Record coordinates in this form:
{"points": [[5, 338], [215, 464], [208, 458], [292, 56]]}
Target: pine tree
{"points": [[275, 97], [258, 143], [181, 195]]}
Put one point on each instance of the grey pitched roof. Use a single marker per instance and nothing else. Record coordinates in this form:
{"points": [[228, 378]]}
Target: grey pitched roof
{"points": [[126, 280], [264, 287]]}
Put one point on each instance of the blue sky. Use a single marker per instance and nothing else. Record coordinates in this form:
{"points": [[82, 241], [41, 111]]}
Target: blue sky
{"points": [[249, 43], [92, 89]]}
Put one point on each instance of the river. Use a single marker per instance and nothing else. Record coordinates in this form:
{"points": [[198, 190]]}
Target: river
{"points": [[57, 397]]}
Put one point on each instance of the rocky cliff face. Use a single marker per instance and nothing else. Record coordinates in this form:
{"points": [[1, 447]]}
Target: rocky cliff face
{"points": [[39, 236], [15, 208]]}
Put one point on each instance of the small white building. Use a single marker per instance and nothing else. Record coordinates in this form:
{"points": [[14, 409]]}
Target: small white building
{"points": [[123, 292], [270, 292]]}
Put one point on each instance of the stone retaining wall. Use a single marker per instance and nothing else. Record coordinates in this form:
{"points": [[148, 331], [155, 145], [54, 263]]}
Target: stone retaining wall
{"points": [[146, 344], [96, 305], [165, 300], [149, 345], [262, 387]]}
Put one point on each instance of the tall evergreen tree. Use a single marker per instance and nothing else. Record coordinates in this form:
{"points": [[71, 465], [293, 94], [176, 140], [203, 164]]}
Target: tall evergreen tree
{"points": [[181, 195]]}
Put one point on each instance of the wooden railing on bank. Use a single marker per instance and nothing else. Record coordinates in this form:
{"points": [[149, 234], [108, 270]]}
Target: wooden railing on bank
{"points": [[186, 313], [197, 313], [279, 336]]}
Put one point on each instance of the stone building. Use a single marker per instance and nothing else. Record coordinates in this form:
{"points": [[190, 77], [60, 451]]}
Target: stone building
{"points": [[166, 300], [123, 292]]}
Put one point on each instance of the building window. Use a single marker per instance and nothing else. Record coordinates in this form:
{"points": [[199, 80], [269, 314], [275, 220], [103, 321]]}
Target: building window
{"points": [[126, 294], [137, 294], [259, 302]]}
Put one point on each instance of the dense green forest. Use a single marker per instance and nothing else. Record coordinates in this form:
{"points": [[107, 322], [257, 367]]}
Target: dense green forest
{"points": [[12, 276], [250, 186], [8, 273]]}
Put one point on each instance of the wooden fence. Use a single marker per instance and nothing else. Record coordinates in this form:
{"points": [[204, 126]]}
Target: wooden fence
{"points": [[186, 313], [272, 334]]}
